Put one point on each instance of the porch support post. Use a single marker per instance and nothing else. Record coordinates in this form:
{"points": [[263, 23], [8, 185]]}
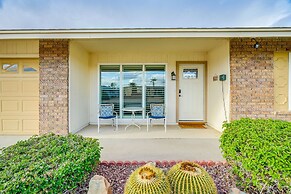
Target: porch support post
{"points": [[54, 86]]}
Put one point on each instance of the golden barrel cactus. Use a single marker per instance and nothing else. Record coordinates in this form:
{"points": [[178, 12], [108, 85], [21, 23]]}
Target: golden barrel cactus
{"points": [[147, 179], [189, 177]]}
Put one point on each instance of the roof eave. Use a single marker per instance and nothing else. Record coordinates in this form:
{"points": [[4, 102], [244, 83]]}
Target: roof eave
{"points": [[145, 33]]}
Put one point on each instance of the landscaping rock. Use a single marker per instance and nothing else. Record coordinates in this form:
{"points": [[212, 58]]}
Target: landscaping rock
{"points": [[118, 174], [236, 191], [99, 185]]}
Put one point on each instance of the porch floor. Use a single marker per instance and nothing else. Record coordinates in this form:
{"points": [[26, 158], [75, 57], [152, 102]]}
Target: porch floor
{"points": [[140, 145], [157, 131]]}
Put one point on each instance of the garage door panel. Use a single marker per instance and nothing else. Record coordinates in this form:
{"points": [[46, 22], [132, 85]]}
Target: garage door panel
{"points": [[10, 106], [11, 125], [21, 115], [30, 88], [23, 98], [19, 98], [30, 125], [19, 107], [30, 106], [10, 88]]}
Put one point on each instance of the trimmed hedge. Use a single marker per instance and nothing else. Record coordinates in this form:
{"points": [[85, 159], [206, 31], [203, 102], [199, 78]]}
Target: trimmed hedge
{"points": [[47, 164], [260, 154]]}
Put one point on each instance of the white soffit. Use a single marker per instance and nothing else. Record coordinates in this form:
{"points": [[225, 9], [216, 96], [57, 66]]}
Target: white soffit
{"points": [[145, 33]]}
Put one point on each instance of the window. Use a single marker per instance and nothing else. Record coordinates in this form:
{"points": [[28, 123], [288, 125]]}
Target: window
{"points": [[109, 85], [132, 83], [132, 86], [9, 67], [155, 85], [29, 68], [190, 73]]}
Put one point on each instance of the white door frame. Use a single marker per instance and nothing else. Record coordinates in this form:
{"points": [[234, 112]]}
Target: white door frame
{"points": [[178, 63]]}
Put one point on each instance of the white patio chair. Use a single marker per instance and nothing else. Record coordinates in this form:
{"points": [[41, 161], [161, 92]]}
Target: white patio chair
{"points": [[157, 111], [106, 111]]}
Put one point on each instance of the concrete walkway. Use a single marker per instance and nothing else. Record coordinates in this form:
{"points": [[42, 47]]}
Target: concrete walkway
{"points": [[8, 140], [140, 145], [160, 149]]}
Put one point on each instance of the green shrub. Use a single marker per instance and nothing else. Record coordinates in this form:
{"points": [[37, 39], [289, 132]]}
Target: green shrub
{"points": [[47, 164], [260, 154]]}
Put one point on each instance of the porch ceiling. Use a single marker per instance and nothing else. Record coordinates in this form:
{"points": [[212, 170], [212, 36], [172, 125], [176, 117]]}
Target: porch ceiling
{"points": [[151, 44]]}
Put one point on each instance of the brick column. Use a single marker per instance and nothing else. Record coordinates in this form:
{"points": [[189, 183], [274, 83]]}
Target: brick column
{"points": [[54, 86], [252, 77]]}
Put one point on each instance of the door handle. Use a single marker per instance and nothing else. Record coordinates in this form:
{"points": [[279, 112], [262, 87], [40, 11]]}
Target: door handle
{"points": [[179, 91]]}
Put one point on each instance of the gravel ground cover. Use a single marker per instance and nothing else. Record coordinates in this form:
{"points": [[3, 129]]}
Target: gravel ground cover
{"points": [[118, 172]]}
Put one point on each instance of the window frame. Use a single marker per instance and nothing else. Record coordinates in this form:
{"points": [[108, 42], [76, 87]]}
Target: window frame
{"points": [[5, 71], [121, 100], [29, 66]]}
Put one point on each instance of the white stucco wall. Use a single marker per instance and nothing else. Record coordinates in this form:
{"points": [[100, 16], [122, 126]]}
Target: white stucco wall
{"points": [[141, 57], [79, 87], [218, 63]]}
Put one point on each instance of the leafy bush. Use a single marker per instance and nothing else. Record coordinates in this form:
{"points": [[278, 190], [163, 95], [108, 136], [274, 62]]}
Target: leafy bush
{"points": [[47, 164], [260, 153]]}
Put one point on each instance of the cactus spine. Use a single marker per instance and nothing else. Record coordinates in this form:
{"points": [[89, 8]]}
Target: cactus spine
{"points": [[189, 177], [147, 179]]}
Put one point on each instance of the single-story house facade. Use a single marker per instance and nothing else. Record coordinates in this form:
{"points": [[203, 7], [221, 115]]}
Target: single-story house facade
{"points": [[53, 80]]}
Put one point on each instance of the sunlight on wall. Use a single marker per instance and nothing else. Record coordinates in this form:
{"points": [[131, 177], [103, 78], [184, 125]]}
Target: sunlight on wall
{"points": [[79, 88], [218, 63]]}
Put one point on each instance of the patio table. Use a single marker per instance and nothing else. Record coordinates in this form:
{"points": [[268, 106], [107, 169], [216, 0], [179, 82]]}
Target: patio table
{"points": [[132, 110]]}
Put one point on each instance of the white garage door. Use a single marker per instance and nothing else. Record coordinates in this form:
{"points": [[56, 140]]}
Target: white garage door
{"points": [[19, 96]]}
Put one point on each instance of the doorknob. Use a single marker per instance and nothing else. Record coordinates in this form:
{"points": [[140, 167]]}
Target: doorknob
{"points": [[179, 91]]}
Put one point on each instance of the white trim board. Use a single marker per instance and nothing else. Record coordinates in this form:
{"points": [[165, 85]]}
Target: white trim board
{"points": [[145, 33]]}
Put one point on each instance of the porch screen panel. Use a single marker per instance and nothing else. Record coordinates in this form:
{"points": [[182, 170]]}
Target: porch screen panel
{"points": [[132, 88], [110, 85], [155, 85]]}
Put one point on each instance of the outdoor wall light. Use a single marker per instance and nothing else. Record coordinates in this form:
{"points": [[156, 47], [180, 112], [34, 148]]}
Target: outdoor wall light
{"points": [[257, 44], [173, 76]]}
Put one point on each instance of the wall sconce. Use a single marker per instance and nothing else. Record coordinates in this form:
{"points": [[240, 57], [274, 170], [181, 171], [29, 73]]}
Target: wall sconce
{"points": [[257, 44], [173, 76]]}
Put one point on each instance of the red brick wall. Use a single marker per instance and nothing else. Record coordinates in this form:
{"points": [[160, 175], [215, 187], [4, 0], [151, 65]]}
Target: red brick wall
{"points": [[54, 86], [252, 78]]}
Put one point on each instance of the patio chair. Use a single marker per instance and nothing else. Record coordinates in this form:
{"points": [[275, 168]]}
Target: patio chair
{"points": [[106, 111], [157, 111]]}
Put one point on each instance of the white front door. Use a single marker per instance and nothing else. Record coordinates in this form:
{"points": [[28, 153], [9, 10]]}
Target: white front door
{"points": [[191, 92]]}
